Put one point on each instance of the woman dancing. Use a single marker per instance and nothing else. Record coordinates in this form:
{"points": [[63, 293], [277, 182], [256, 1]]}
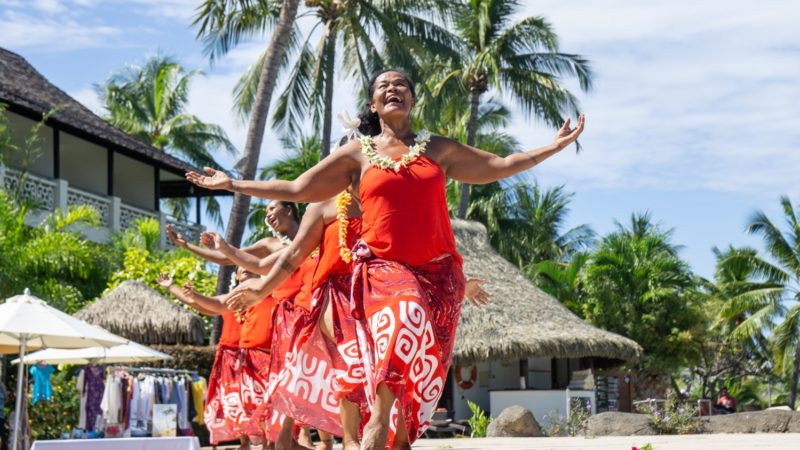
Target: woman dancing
{"points": [[223, 402], [304, 386], [408, 280]]}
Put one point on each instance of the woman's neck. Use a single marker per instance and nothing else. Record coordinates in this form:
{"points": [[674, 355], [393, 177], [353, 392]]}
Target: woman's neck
{"points": [[399, 129], [292, 231]]}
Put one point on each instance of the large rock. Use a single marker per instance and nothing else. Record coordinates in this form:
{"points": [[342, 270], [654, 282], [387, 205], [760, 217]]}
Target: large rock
{"points": [[514, 421], [774, 421], [617, 424]]}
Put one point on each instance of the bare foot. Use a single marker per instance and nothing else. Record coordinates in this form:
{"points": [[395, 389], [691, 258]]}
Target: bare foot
{"points": [[352, 446], [304, 438], [297, 446], [324, 445], [375, 435]]}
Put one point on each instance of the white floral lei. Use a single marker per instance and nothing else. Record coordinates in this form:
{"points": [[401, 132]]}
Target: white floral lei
{"points": [[384, 162]]}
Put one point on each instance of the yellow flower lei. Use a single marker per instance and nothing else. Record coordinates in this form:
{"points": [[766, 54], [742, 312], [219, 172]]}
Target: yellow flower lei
{"points": [[342, 203]]}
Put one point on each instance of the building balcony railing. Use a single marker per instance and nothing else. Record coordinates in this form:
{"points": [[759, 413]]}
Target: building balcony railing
{"points": [[115, 216]]}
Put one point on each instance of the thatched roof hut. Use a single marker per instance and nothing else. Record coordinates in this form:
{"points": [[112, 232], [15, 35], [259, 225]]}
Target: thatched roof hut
{"points": [[137, 312], [522, 321]]}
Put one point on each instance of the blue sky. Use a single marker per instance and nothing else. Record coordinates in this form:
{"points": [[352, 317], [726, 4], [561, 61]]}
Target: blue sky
{"points": [[693, 117]]}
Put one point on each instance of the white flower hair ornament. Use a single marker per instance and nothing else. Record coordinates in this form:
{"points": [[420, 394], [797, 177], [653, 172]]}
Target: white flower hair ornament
{"points": [[349, 125]]}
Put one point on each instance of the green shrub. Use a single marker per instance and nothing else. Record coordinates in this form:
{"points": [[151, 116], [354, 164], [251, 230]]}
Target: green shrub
{"points": [[558, 425], [675, 418], [49, 419], [479, 421]]}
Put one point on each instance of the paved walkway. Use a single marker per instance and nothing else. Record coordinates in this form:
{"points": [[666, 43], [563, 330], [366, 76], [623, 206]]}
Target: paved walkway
{"points": [[776, 441]]}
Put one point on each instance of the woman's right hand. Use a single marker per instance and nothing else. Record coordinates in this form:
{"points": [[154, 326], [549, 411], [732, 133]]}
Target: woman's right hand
{"points": [[214, 241], [176, 238], [164, 280], [214, 179]]}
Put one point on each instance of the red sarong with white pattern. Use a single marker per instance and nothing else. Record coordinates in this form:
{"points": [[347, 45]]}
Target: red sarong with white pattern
{"points": [[406, 318], [305, 388], [223, 398], [253, 368]]}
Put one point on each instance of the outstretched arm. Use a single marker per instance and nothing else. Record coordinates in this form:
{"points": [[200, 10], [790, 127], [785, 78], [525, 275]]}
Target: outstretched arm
{"points": [[166, 281], [240, 257], [216, 305], [308, 238], [471, 165], [321, 182], [260, 249]]}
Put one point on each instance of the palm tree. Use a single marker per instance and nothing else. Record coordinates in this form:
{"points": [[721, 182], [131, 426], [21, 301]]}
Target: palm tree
{"points": [[349, 30], [222, 24], [522, 57], [564, 280], [149, 103], [526, 223], [638, 286], [781, 302], [741, 301]]}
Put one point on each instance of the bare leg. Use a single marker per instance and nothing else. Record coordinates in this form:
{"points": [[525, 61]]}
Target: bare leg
{"points": [[401, 435], [377, 430], [348, 411], [285, 438], [351, 418], [304, 438], [244, 442], [325, 441]]}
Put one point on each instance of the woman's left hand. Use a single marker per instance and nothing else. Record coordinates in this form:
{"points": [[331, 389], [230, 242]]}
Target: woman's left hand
{"points": [[473, 291], [566, 136]]}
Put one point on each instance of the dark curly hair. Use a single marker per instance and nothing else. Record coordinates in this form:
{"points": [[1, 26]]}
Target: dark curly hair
{"points": [[370, 123]]}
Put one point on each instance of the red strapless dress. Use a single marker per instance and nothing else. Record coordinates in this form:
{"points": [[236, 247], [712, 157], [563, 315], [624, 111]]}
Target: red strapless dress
{"points": [[408, 289], [223, 402]]}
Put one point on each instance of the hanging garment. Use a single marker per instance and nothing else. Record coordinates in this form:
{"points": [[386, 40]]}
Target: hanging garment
{"points": [[198, 397], [112, 397], [80, 383], [94, 387], [42, 390]]}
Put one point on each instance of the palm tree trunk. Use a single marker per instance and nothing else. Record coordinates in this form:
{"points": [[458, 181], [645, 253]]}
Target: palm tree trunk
{"points": [[255, 136], [472, 130], [330, 56], [795, 377]]}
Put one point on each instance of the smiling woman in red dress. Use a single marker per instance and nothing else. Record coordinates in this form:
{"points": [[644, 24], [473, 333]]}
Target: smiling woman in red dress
{"points": [[408, 281]]}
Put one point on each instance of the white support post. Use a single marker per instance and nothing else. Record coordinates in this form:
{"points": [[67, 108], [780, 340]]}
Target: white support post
{"points": [[116, 215], [62, 195]]}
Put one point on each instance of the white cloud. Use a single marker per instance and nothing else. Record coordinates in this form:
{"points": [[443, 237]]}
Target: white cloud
{"points": [[698, 95], [20, 31]]}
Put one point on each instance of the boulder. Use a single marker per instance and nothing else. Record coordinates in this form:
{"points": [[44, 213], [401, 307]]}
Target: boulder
{"points": [[773, 421], [618, 424], [514, 421]]}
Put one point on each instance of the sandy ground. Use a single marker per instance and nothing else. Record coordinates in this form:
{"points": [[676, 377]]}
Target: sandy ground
{"points": [[692, 442]]}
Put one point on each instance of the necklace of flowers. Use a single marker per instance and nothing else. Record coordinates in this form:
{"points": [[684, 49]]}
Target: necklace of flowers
{"points": [[239, 315], [342, 203], [285, 240], [384, 162]]}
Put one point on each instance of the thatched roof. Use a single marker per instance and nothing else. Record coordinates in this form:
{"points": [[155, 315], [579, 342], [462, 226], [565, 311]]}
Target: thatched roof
{"points": [[522, 320], [135, 311], [27, 91]]}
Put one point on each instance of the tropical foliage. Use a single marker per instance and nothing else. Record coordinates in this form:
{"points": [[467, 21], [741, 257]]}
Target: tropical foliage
{"points": [[149, 103], [52, 259], [141, 259]]}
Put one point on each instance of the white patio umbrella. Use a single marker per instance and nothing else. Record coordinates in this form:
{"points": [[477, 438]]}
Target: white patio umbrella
{"points": [[26, 321], [126, 353]]}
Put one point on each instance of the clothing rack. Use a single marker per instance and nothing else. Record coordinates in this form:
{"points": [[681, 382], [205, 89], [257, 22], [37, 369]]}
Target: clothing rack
{"points": [[154, 370]]}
